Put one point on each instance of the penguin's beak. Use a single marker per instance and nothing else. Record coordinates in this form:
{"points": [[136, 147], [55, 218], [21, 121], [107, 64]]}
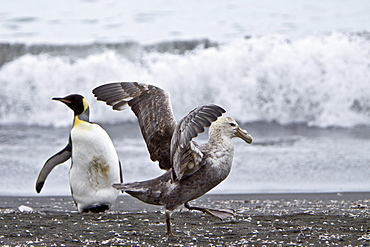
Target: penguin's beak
{"points": [[243, 134], [65, 101]]}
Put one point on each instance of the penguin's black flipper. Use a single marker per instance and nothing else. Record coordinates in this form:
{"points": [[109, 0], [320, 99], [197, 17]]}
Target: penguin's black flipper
{"points": [[52, 162], [120, 172]]}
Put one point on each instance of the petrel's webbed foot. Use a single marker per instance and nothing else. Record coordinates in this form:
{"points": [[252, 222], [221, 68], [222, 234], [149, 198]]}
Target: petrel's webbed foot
{"points": [[219, 213]]}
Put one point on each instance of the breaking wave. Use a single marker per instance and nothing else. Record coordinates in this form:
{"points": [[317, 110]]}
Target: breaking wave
{"points": [[317, 80]]}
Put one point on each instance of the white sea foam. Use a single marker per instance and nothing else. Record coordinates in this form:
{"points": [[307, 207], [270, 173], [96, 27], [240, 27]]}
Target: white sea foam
{"points": [[321, 81]]}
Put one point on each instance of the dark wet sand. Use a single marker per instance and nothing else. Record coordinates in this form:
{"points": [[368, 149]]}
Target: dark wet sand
{"points": [[260, 219]]}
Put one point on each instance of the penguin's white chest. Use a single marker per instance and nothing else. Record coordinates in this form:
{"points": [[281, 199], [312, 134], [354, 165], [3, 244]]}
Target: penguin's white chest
{"points": [[95, 166]]}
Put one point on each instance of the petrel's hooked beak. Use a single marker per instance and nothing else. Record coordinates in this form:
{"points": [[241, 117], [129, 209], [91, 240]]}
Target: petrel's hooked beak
{"points": [[243, 134]]}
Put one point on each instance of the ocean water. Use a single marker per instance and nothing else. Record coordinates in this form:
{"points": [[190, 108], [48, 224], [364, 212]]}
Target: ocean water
{"points": [[296, 75], [148, 22], [292, 158]]}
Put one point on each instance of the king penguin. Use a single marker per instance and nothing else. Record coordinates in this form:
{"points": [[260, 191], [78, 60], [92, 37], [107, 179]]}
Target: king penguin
{"points": [[95, 165]]}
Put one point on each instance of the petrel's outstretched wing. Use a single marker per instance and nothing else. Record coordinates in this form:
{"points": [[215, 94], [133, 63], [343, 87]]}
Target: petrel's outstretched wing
{"points": [[152, 108], [186, 158]]}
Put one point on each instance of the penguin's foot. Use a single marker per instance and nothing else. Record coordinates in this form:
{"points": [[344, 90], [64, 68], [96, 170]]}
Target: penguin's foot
{"points": [[96, 208]]}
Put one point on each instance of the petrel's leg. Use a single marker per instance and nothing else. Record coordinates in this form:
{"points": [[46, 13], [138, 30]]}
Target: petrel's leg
{"points": [[168, 222], [219, 213]]}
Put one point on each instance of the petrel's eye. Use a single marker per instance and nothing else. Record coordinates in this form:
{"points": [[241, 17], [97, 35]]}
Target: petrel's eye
{"points": [[232, 124]]}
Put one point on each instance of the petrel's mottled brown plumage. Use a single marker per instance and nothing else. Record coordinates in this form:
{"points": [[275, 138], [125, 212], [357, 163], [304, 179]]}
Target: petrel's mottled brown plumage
{"points": [[193, 169], [152, 108]]}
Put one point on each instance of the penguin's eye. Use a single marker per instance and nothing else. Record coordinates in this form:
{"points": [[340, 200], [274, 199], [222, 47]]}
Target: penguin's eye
{"points": [[232, 124]]}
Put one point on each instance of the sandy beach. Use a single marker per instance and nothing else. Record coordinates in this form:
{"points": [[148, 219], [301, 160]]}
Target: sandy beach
{"points": [[334, 219], [294, 74]]}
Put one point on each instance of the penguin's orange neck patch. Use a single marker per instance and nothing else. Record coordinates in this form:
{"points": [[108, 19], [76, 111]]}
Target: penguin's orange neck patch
{"points": [[77, 121]]}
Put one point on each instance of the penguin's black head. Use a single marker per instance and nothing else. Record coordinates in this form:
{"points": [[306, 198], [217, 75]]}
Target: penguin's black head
{"points": [[76, 102]]}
